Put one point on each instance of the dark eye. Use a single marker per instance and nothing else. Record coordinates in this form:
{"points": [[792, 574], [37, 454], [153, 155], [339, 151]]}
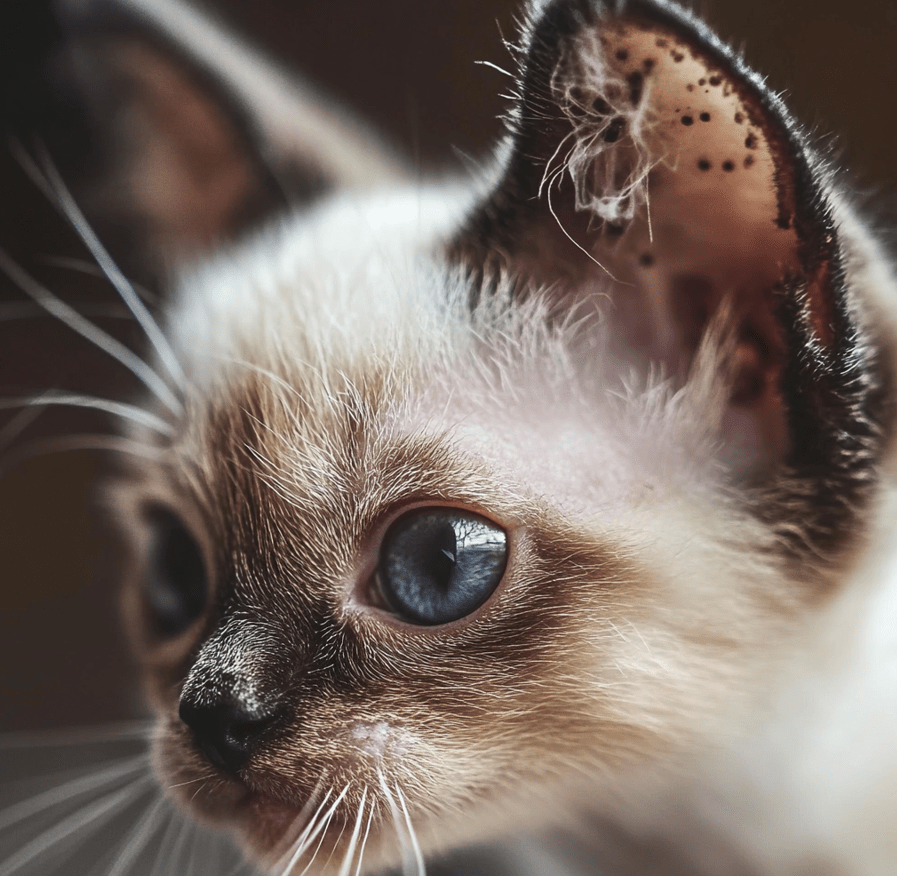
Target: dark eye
{"points": [[175, 585], [438, 565]]}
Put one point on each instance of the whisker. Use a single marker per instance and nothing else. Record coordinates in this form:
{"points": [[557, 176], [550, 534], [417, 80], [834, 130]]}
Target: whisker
{"points": [[364, 841], [103, 340], [302, 819], [418, 857], [47, 178], [301, 842], [136, 840], [169, 845], [323, 867], [394, 811], [75, 788], [83, 266], [323, 831], [18, 424], [412, 859], [118, 409], [87, 817], [15, 310], [495, 67], [191, 782], [321, 828], [353, 840], [71, 443], [77, 735]]}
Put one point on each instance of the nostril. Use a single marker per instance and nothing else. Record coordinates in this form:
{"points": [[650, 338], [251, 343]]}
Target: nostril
{"points": [[226, 732]]}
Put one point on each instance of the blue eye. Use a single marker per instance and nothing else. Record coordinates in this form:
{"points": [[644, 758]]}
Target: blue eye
{"points": [[175, 587], [438, 565]]}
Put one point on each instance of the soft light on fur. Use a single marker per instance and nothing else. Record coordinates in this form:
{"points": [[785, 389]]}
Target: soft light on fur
{"points": [[653, 346]]}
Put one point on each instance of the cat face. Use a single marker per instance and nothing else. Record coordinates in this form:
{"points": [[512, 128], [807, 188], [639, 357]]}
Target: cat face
{"points": [[474, 508]]}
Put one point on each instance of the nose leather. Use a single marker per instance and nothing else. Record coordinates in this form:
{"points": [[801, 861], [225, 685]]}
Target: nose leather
{"points": [[226, 732]]}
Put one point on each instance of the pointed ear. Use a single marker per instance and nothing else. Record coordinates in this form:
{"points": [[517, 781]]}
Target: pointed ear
{"points": [[203, 134], [647, 163]]}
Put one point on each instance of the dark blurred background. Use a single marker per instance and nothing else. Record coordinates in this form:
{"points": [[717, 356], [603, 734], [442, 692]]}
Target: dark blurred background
{"points": [[409, 66]]}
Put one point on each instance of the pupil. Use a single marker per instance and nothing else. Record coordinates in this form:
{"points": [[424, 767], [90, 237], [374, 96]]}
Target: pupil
{"points": [[440, 559]]}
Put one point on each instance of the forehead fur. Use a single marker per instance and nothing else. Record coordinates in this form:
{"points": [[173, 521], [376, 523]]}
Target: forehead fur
{"points": [[348, 325]]}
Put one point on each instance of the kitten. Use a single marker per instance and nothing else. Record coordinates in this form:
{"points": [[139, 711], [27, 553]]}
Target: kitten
{"points": [[559, 503]]}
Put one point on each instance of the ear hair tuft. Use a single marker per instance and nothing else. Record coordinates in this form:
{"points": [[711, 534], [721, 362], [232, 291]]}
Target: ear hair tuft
{"points": [[606, 154]]}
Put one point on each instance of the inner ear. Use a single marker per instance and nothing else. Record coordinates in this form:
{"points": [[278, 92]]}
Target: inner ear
{"points": [[649, 168], [679, 191]]}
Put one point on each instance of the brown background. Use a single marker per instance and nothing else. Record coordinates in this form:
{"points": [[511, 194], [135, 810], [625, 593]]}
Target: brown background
{"points": [[409, 66]]}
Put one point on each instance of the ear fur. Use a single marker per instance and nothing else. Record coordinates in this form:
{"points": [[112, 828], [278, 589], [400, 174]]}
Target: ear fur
{"points": [[646, 163]]}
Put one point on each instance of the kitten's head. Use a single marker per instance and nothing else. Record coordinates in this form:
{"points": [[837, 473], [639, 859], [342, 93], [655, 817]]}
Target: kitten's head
{"points": [[480, 503]]}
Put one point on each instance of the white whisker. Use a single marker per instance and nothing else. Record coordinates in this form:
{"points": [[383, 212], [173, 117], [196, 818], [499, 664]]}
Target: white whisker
{"points": [[302, 819], [52, 185], [83, 266], [71, 443], [323, 867], [321, 829], [136, 840], [346, 868], [169, 844], [412, 836], [118, 409], [397, 823], [15, 310], [70, 790], [103, 340], [76, 736], [18, 424], [364, 840], [202, 778], [495, 67], [299, 844], [85, 818]]}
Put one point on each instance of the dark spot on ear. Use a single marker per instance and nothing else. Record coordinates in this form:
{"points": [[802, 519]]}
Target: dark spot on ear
{"points": [[613, 230], [728, 166], [648, 64], [715, 80], [601, 106], [703, 164], [636, 82], [689, 87], [678, 56], [622, 54], [661, 43], [748, 160], [704, 117], [739, 118], [702, 81], [646, 260], [614, 129], [687, 120], [751, 141]]}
